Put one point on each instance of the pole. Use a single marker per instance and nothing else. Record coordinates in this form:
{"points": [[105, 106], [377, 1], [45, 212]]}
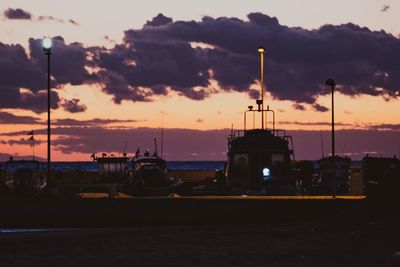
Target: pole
{"points": [[332, 84], [322, 144], [48, 118], [262, 86], [333, 144], [162, 136], [33, 147]]}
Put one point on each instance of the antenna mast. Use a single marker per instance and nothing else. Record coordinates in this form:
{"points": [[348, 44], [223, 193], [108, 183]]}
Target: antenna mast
{"points": [[155, 146], [162, 136], [322, 144]]}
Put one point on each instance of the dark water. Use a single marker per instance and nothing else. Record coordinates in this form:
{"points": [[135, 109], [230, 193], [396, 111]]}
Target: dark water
{"points": [[172, 165], [93, 167]]}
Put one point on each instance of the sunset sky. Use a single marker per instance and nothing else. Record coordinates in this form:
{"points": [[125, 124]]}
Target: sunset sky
{"points": [[122, 69]]}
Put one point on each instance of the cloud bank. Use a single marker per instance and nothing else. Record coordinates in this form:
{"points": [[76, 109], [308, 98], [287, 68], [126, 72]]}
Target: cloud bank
{"points": [[190, 57], [298, 61], [189, 144]]}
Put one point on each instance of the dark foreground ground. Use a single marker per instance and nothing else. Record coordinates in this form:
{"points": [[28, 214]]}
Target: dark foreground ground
{"points": [[333, 242], [210, 231]]}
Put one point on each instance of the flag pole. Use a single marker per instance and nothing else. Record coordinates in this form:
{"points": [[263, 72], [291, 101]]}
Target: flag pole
{"points": [[33, 147]]}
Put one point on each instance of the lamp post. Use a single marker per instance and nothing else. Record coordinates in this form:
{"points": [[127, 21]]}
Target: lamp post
{"points": [[261, 50], [332, 84], [47, 43]]}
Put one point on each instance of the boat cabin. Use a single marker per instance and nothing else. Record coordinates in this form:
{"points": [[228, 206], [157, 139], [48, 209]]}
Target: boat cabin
{"points": [[112, 169]]}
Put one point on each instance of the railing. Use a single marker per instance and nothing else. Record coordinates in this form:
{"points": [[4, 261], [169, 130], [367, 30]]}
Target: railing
{"points": [[276, 132]]}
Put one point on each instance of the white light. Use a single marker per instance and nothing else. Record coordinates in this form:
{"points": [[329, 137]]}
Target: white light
{"points": [[47, 43], [266, 172]]}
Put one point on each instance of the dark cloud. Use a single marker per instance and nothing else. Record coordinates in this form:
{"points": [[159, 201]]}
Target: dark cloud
{"points": [[73, 22], [385, 8], [298, 106], [36, 102], [212, 144], [391, 127], [319, 108], [177, 142], [20, 14], [68, 61], [22, 141], [321, 123], [116, 85], [18, 71], [51, 18], [9, 118], [17, 14], [92, 122], [73, 105], [297, 60], [254, 93], [184, 56], [106, 37], [159, 20]]}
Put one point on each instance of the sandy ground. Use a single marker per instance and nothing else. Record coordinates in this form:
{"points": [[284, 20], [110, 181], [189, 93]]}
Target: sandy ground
{"points": [[366, 242]]}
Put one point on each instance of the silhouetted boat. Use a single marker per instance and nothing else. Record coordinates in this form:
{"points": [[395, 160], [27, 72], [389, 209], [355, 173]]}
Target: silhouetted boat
{"points": [[381, 176], [260, 162], [22, 177], [150, 177], [340, 166]]}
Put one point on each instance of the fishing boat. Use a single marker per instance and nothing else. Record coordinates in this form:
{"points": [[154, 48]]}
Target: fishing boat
{"points": [[22, 177], [381, 176], [150, 176], [328, 167], [260, 160]]}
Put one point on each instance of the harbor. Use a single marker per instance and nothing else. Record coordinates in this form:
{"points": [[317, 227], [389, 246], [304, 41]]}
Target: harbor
{"points": [[263, 133]]}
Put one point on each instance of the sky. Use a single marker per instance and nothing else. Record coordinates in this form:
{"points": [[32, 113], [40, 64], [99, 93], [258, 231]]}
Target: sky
{"points": [[121, 70]]}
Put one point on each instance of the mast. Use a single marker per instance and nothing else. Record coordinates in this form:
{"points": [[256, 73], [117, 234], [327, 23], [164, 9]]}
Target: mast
{"points": [[322, 144], [162, 136], [155, 147], [261, 50]]}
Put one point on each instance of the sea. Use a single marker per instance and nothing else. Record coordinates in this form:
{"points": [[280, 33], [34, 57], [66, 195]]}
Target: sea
{"points": [[90, 166]]}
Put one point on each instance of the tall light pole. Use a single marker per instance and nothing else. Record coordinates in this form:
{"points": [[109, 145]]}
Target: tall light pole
{"points": [[47, 43], [261, 50], [332, 84]]}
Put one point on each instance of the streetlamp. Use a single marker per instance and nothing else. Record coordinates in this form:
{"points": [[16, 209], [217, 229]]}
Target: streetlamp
{"points": [[261, 50], [47, 43], [332, 84]]}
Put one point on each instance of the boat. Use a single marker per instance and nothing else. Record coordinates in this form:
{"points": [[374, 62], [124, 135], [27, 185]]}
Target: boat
{"points": [[381, 176], [327, 166], [22, 177], [260, 161], [150, 177]]}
